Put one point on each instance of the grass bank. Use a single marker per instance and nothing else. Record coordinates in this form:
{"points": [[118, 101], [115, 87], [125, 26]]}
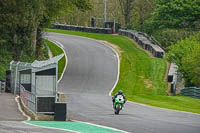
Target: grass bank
{"points": [[57, 51], [141, 76]]}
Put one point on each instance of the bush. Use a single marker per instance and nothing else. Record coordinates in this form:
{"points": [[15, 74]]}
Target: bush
{"points": [[167, 37], [186, 54]]}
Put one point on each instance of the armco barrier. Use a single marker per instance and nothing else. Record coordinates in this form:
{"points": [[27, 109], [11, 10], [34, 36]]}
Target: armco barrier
{"points": [[172, 77], [144, 41], [172, 72], [83, 28], [141, 38], [191, 91], [2, 85]]}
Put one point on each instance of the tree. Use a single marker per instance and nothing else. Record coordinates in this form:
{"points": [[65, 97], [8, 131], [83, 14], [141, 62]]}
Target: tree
{"points": [[185, 54], [141, 12], [176, 14], [126, 7], [16, 25], [22, 22], [191, 64], [50, 10]]}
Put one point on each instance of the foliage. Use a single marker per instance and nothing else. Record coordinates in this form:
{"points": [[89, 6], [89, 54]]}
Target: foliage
{"points": [[78, 17], [167, 37], [21, 27], [5, 58], [22, 21], [185, 54], [16, 26], [176, 14], [173, 20], [127, 7], [141, 12]]}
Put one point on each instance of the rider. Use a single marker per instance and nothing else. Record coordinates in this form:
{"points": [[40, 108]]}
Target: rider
{"points": [[120, 92]]}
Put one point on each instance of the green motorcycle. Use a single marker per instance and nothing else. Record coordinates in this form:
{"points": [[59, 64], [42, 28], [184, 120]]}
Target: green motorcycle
{"points": [[118, 104]]}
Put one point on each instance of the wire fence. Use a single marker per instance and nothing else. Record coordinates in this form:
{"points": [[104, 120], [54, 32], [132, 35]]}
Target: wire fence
{"points": [[36, 83], [37, 104], [15, 68], [28, 98]]}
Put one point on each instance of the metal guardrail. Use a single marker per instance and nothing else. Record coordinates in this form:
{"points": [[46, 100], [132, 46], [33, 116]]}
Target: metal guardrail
{"points": [[173, 77], [191, 91], [2, 85], [144, 41], [83, 28]]}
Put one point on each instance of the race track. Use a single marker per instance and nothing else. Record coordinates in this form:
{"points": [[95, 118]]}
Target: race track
{"points": [[91, 73]]}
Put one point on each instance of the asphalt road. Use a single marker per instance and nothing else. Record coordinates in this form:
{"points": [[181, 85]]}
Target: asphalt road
{"points": [[20, 127], [11, 118], [90, 75], [8, 108]]}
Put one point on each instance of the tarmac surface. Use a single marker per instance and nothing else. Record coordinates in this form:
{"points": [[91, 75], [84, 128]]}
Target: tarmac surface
{"points": [[90, 75], [8, 108], [11, 119]]}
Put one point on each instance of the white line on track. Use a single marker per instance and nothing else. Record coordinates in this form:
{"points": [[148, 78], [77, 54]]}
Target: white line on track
{"points": [[114, 129], [118, 67], [62, 47], [50, 127], [20, 109], [149, 106]]}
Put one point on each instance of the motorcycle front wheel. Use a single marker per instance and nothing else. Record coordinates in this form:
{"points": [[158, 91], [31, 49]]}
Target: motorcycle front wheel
{"points": [[118, 108]]}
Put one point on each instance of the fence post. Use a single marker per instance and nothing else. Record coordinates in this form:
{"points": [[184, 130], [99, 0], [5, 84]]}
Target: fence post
{"points": [[16, 70]]}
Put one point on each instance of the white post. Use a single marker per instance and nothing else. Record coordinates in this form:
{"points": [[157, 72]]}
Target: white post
{"points": [[16, 77], [56, 82], [105, 17], [114, 26], [11, 64]]}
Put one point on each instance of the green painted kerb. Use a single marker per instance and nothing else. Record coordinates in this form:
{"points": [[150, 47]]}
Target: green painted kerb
{"points": [[74, 126]]}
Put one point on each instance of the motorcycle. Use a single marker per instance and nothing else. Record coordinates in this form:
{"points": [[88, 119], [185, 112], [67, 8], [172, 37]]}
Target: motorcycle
{"points": [[118, 104]]}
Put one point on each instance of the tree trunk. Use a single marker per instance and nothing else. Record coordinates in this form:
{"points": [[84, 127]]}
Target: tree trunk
{"points": [[39, 43], [16, 49], [127, 19], [34, 39], [127, 12], [141, 18]]}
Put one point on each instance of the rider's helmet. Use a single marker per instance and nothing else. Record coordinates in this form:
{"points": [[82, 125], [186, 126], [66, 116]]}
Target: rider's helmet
{"points": [[120, 92]]}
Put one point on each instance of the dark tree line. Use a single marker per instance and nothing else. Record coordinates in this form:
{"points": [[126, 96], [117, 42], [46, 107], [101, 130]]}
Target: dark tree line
{"points": [[22, 22]]}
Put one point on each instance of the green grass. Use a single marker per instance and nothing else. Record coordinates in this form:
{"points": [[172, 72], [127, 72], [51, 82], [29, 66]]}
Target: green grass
{"points": [[181, 103], [141, 76], [57, 51]]}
